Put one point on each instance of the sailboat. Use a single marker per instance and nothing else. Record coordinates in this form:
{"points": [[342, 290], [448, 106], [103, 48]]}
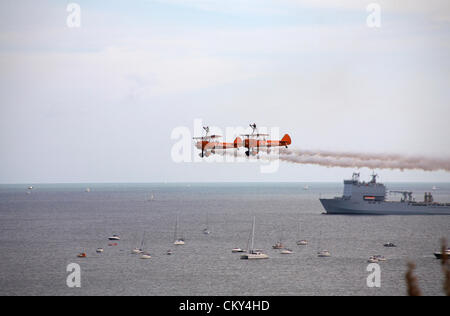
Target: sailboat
{"points": [[254, 254], [178, 241], [206, 231], [301, 242], [279, 244], [145, 255], [323, 253], [140, 250], [151, 197]]}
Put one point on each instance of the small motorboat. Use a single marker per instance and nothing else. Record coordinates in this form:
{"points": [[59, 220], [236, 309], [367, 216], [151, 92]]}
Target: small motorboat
{"points": [[179, 242], [100, 250], [146, 256], [206, 231], [237, 250], [82, 255], [278, 245], [390, 245], [113, 244], [373, 259], [380, 258], [302, 243], [324, 254], [169, 252], [287, 252], [114, 237], [439, 255], [137, 251]]}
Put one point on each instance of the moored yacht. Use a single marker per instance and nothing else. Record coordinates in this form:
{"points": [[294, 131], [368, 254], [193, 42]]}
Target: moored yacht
{"points": [[278, 245], [114, 237], [254, 254], [324, 254], [439, 254], [138, 251], [177, 241], [146, 256]]}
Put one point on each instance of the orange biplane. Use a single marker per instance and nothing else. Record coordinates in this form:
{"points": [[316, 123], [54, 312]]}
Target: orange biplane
{"points": [[254, 141], [208, 144]]}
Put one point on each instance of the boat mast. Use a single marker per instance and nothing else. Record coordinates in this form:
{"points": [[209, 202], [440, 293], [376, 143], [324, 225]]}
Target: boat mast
{"points": [[176, 230], [142, 242], [253, 233]]}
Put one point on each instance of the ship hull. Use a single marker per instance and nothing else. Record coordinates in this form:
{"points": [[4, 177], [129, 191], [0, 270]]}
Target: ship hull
{"points": [[351, 207]]}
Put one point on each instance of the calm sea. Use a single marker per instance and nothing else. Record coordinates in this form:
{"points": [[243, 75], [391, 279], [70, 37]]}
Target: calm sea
{"points": [[42, 232]]}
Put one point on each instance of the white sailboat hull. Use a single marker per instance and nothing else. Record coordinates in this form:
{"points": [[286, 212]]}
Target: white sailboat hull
{"points": [[254, 256]]}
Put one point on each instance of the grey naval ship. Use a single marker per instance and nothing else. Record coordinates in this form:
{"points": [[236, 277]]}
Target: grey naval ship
{"points": [[369, 198]]}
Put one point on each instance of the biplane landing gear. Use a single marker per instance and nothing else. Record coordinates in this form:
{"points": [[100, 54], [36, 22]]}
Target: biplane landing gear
{"points": [[204, 154]]}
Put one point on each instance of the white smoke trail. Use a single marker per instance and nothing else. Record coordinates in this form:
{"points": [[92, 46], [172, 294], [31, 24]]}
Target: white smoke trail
{"points": [[354, 160], [364, 160]]}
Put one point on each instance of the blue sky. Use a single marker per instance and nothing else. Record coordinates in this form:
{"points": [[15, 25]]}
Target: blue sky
{"points": [[98, 103]]}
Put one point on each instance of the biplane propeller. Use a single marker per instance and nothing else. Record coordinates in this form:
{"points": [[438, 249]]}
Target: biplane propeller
{"points": [[254, 141], [208, 144]]}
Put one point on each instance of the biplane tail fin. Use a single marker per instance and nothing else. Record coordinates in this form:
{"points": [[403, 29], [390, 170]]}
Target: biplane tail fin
{"points": [[286, 139]]}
